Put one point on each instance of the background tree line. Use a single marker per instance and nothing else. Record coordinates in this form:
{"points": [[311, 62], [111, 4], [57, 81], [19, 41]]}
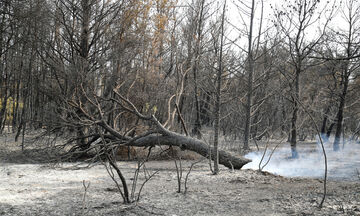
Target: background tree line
{"points": [[66, 64]]}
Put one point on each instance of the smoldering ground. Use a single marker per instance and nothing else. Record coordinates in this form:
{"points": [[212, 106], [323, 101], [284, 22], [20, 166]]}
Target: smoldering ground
{"points": [[30, 188], [343, 164]]}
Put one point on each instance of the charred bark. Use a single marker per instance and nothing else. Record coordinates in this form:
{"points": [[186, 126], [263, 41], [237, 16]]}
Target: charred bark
{"points": [[339, 118], [165, 137], [328, 133], [197, 126], [188, 143]]}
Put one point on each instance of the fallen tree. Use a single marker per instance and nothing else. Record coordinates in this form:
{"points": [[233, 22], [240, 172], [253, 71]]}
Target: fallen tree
{"points": [[163, 136], [195, 145], [157, 135]]}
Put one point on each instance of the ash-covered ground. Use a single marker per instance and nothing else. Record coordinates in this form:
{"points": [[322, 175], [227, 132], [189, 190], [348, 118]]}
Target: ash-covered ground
{"points": [[31, 188]]}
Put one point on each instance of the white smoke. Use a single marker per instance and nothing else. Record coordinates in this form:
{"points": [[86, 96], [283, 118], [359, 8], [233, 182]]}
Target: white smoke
{"points": [[342, 164]]}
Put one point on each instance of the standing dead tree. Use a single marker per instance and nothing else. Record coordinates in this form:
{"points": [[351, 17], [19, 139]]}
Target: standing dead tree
{"points": [[294, 25], [349, 48]]}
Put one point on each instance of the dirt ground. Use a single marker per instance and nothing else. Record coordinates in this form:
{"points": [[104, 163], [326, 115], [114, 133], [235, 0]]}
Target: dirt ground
{"points": [[31, 188]]}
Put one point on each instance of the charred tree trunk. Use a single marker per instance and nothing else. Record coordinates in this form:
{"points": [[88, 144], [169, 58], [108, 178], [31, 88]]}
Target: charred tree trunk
{"points": [[218, 97], [4, 101], [326, 133], [169, 138], [293, 132], [340, 115], [84, 53], [324, 122], [15, 121], [197, 126], [249, 81], [188, 143]]}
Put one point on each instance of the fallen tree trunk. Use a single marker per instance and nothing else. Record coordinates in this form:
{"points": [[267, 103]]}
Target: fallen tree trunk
{"points": [[163, 136], [188, 143]]}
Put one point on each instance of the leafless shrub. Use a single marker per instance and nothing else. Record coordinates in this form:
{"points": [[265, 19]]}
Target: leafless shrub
{"points": [[147, 175], [179, 172], [188, 173], [261, 167], [147, 178], [109, 151], [86, 187]]}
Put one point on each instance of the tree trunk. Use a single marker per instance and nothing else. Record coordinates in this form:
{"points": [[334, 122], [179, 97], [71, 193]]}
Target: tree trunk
{"points": [[3, 110], [293, 133], [163, 136], [197, 126], [328, 133], [324, 122], [294, 153], [249, 81], [340, 115], [218, 97], [192, 144], [325, 135]]}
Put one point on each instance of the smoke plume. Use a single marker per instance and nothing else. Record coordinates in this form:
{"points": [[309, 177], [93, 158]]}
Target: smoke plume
{"points": [[342, 165]]}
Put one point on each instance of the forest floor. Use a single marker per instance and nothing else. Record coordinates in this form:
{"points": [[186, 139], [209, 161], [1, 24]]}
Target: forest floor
{"points": [[28, 187]]}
